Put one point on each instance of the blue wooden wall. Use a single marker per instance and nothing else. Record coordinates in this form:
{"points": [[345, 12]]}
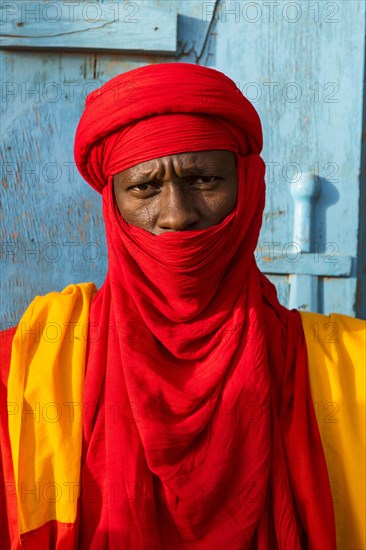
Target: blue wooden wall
{"points": [[302, 65]]}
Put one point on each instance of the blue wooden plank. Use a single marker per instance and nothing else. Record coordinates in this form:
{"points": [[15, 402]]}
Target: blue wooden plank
{"points": [[111, 26], [303, 293], [305, 263]]}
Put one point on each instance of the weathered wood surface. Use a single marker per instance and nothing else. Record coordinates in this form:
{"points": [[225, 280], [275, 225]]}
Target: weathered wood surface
{"points": [[302, 63], [293, 261], [52, 229], [129, 26]]}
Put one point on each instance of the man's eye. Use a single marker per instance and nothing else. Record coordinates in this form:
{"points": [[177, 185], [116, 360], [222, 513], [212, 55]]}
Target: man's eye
{"points": [[141, 186], [207, 179]]}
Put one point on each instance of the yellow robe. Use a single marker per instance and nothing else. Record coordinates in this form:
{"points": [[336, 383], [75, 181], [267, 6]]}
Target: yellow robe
{"points": [[45, 388], [336, 347]]}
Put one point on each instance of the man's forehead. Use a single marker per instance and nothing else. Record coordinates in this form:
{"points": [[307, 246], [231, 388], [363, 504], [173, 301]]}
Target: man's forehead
{"points": [[186, 160]]}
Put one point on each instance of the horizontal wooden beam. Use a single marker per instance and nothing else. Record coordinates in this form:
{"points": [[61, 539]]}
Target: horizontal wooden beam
{"points": [[128, 26], [305, 263]]}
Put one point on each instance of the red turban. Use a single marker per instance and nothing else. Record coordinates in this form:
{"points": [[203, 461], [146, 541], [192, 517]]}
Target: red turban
{"points": [[121, 115], [199, 430]]}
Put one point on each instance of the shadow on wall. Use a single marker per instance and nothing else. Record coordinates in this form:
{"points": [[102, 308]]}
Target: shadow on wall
{"points": [[361, 252]]}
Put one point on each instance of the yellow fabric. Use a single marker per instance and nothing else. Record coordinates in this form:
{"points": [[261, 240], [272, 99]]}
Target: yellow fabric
{"points": [[46, 375], [336, 347]]}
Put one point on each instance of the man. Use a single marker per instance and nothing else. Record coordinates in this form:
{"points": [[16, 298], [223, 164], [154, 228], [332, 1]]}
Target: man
{"points": [[197, 427]]}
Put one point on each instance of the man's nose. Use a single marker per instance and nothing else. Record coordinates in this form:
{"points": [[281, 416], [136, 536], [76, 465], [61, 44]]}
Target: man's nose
{"points": [[176, 209]]}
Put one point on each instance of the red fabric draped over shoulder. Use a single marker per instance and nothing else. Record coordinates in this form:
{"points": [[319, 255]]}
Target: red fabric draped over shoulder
{"points": [[199, 428]]}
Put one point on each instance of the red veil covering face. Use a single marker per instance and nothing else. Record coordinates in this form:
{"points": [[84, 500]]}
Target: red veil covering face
{"points": [[199, 429]]}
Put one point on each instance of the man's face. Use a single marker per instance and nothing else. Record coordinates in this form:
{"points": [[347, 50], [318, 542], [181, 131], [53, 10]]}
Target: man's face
{"points": [[186, 191]]}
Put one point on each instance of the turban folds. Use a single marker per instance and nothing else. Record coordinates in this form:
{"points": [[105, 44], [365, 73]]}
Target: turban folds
{"points": [[200, 432], [123, 112]]}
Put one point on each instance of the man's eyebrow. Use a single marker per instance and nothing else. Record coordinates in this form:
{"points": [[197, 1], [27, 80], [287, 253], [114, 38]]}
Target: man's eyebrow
{"points": [[192, 169]]}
